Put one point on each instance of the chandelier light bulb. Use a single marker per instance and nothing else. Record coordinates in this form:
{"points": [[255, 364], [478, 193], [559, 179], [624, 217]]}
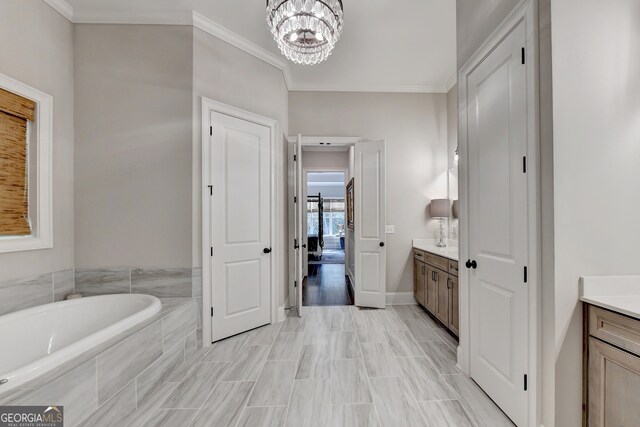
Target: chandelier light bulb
{"points": [[306, 31]]}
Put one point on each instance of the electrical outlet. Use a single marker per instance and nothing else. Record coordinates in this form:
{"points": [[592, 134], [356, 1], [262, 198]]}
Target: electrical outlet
{"points": [[390, 229]]}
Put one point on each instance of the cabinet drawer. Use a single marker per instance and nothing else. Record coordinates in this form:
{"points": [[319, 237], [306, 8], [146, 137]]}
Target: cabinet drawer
{"points": [[619, 330], [438, 262], [453, 267], [419, 255]]}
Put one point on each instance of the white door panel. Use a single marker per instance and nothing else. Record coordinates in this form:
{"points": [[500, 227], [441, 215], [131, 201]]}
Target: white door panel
{"points": [[301, 207], [370, 217], [498, 241], [240, 225]]}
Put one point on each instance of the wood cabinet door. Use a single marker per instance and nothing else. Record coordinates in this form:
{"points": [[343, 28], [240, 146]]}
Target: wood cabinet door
{"points": [[430, 292], [419, 275], [442, 296], [454, 306], [614, 382]]}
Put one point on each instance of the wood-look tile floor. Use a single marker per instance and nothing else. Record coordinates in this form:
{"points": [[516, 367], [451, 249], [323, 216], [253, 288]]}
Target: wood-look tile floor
{"points": [[335, 366], [326, 284]]}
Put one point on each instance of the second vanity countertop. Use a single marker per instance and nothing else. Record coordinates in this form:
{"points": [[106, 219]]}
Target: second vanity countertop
{"points": [[616, 293], [429, 245]]}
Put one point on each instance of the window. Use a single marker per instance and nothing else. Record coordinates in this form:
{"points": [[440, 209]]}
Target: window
{"points": [[333, 217], [25, 167]]}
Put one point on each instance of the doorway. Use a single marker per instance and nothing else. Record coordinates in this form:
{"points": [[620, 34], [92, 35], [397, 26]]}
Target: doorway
{"points": [[327, 282]]}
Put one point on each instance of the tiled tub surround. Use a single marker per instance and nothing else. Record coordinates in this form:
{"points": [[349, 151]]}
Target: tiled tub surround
{"points": [[116, 382], [16, 295]]}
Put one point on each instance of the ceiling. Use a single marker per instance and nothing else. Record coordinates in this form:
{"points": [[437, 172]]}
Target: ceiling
{"points": [[325, 178], [387, 45]]}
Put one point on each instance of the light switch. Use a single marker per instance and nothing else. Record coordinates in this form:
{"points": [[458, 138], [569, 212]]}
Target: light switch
{"points": [[390, 229]]}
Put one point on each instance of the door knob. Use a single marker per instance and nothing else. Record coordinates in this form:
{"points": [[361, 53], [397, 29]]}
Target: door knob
{"points": [[474, 264], [267, 250], [381, 244], [468, 263]]}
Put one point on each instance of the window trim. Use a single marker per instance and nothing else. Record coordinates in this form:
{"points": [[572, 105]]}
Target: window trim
{"points": [[42, 216]]}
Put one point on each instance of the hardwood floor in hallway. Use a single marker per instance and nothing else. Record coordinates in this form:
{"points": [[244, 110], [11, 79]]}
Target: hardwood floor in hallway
{"points": [[333, 367], [325, 285]]}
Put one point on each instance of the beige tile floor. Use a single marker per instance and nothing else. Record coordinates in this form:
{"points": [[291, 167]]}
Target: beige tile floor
{"points": [[336, 366]]}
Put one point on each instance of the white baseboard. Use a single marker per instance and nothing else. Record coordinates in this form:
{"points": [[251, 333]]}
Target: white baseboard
{"points": [[400, 298], [282, 314]]}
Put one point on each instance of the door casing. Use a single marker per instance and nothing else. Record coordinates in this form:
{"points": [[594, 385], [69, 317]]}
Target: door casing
{"points": [[209, 105], [526, 11]]}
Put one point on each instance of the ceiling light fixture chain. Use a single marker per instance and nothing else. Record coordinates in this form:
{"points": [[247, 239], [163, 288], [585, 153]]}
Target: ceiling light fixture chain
{"points": [[306, 30]]}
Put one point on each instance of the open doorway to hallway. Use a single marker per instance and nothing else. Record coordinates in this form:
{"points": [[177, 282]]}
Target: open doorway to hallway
{"points": [[327, 282]]}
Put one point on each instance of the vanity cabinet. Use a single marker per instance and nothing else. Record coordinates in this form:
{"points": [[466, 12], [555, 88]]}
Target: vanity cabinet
{"points": [[612, 368], [435, 287]]}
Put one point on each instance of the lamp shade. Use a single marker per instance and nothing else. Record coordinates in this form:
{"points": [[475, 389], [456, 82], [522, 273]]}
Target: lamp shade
{"points": [[440, 208]]}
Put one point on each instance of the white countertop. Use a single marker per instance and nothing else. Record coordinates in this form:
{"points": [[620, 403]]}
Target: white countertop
{"points": [[616, 293], [429, 245]]}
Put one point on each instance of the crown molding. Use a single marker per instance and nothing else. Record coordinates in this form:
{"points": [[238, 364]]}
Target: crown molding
{"points": [[136, 17], [213, 28], [453, 80], [62, 7], [368, 88]]}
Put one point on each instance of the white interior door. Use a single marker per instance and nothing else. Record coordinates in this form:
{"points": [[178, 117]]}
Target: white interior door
{"points": [[240, 225], [498, 238], [369, 224], [301, 207]]}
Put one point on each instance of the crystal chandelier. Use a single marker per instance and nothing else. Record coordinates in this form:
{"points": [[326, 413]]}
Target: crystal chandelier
{"points": [[306, 30]]}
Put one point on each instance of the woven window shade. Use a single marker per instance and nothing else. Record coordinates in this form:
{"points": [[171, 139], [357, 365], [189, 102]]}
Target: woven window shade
{"points": [[15, 112]]}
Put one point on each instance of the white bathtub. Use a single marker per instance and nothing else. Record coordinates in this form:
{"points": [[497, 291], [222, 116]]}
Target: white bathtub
{"points": [[38, 339]]}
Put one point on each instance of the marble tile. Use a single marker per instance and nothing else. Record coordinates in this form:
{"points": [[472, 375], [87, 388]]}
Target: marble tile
{"points": [[17, 295], [149, 404], [274, 384], [265, 335], [101, 281], [443, 358], [196, 387], [344, 345], [196, 282], [191, 344], [162, 282], [405, 312], [226, 350], [420, 331], [171, 418], [423, 379], [310, 404], [248, 364], [75, 390], [361, 415], [424, 315], [370, 335], [349, 382], [159, 372], [478, 406], [123, 362], [177, 325], [263, 417], [115, 410], [287, 346], [342, 321], [63, 284], [447, 338], [380, 361], [15, 395], [445, 413], [316, 336], [395, 405], [293, 323], [224, 406], [387, 320], [315, 362], [402, 344]]}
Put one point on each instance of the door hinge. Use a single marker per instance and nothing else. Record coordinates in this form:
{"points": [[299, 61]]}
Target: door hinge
{"points": [[211, 311], [295, 157], [523, 56], [295, 199], [525, 382], [526, 275], [211, 250], [295, 284], [210, 190], [211, 130], [524, 164]]}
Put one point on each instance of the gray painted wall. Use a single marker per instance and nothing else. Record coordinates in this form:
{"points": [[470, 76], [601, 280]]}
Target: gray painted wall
{"points": [[47, 67], [415, 129], [133, 167], [476, 20]]}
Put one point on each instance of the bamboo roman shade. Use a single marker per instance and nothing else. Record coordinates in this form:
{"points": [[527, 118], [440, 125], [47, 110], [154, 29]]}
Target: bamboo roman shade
{"points": [[15, 113]]}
